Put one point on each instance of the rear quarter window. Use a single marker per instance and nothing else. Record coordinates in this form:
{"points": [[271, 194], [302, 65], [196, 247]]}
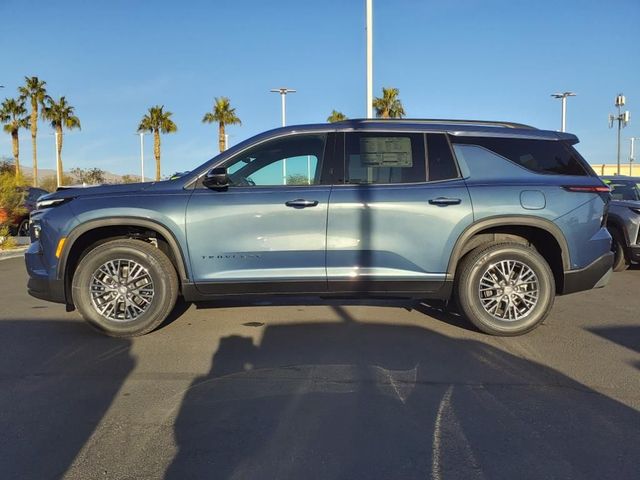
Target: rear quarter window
{"points": [[552, 157]]}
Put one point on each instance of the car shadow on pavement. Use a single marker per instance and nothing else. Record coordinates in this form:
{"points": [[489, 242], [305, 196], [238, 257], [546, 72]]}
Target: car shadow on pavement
{"points": [[56, 383], [356, 399], [627, 336]]}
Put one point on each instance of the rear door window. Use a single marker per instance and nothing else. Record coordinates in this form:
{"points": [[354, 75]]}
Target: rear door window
{"points": [[384, 158], [541, 156]]}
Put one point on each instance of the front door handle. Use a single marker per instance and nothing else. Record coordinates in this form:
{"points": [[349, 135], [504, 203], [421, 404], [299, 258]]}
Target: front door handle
{"points": [[445, 201], [301, 203]]}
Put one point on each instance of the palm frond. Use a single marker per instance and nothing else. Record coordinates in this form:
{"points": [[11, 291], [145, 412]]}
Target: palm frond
{"points": [[222, 113], [157, 120]]}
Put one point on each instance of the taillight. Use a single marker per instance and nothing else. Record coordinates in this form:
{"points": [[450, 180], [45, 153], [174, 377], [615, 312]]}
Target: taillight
{"points": [[587, 188]]}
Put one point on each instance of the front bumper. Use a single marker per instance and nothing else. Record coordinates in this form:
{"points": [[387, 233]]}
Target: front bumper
{"points": [[634, 253], [42, 283], [44, 289], [595, 275]]}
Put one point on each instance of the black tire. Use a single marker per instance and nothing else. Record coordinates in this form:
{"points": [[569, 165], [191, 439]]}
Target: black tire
{"points": [[620, 261], [480, 261], [159, 274], [23, 228]]}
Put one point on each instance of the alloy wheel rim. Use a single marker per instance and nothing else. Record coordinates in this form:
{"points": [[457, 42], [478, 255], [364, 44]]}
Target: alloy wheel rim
{"points": [[121, 290], [509, 290]]}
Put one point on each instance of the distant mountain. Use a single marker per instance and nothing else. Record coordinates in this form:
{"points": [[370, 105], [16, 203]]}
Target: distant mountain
{"points": [[109, 177]]}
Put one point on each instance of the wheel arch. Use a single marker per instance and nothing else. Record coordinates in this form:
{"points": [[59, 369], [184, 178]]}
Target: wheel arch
{"points": [[534, 230], [616, 222], [115, 227]]}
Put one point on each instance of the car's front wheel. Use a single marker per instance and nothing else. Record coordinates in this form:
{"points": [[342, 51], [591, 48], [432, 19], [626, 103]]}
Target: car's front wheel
{"points": [[125, 287], [505, 289]]}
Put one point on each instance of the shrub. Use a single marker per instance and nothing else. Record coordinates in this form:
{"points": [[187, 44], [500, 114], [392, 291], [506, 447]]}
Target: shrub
{"points": [[6, 241], [50, 183], [11, 197]]}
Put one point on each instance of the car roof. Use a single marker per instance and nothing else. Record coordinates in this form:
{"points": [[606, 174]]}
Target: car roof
{"points": [[482, 128]]}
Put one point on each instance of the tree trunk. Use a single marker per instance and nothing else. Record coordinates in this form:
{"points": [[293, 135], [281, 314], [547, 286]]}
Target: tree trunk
{"points": [[34, 133], [156, 152], [221, 138], [16, 150], [59, 163]]}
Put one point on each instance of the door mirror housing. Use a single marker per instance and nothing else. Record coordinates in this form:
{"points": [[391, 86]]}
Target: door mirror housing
{"points": [[216, 179]]}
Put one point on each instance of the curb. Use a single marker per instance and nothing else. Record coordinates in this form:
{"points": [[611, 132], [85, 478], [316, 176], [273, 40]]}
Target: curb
{"points": [[13, 253]]}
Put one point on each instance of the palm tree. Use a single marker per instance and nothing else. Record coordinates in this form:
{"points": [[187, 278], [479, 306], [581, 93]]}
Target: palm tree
{"points": [[389, 105], [14, 116], [336, 117], [157, 121], [60, 115], [224, 115], [34, 91]]}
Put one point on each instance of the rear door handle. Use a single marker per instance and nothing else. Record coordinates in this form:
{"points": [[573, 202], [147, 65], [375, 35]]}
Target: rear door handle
{"points": [[445, 201], [301, 203]]}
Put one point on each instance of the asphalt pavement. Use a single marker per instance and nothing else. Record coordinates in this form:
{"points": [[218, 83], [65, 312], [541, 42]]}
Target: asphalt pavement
{"points": [[321, 392]]}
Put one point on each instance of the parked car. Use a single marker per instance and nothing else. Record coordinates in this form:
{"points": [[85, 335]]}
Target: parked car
{"points": [[20, 223], [499, 217], [624, 220]]}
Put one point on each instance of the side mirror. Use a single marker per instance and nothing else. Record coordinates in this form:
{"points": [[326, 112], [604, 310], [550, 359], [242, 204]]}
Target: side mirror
{"points": [[216, 179]]}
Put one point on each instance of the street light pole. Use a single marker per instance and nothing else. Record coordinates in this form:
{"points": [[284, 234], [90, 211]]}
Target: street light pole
{"points": [[563, 119], [283, 91], [622, 118], [632, 156], [369, 35]]}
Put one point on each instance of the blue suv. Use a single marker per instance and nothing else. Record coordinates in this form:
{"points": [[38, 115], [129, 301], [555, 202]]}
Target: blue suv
{"points": [[495, 217]]}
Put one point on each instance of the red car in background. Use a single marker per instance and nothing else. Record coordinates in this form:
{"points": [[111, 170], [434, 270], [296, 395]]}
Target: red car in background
{"points": [[20, 224]]}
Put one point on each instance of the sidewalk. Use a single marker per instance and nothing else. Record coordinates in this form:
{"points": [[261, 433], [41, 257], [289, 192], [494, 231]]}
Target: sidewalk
{"points": [[13, 253], [23, 244]]}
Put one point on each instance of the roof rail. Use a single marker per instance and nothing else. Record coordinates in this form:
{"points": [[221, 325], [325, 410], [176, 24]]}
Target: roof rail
{"points": [[483, 123]]}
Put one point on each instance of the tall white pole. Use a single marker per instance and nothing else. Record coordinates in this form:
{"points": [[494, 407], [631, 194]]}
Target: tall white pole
{"points": [[283, 93], [58, 172], [563, 114], [369, 32], [632, 155], [142, 156], [283, 96]]}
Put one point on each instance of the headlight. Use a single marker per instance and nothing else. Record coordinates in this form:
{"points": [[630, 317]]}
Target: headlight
{"points": [[49, 203]]}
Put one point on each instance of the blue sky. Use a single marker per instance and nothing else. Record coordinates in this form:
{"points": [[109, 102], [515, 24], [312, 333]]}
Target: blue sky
{"points": [[496, 60]]}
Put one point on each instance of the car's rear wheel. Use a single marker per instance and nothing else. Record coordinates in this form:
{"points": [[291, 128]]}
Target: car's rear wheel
{"points": [[620, 261], [505, 289], [125, 288]]}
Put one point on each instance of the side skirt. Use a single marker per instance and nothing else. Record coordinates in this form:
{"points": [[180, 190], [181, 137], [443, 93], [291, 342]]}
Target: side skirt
{"points": [[248, 292]]}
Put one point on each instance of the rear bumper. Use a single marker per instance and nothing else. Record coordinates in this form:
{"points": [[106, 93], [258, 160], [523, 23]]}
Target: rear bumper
{"points": [[595, 275]]}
